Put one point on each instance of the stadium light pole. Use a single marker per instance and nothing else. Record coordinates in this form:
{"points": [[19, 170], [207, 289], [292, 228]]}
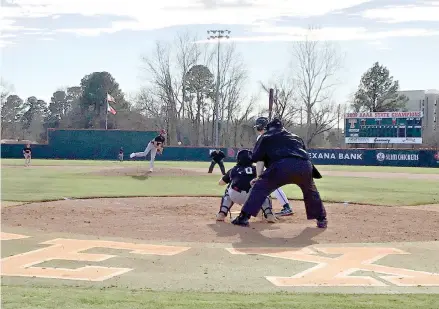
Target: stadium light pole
{"points": [[217, 35]]}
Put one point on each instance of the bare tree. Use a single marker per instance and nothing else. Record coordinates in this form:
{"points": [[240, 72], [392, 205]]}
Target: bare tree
{"points": [[323, 119], [233, 77], [316, 66], [166, 68], [243, 133], [286, 103]]}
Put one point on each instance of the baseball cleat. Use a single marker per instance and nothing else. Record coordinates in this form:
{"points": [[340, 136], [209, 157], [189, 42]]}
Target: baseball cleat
{"points": [[241, 220], [286, 211], [151, 170], [271, 218], [132, 155], [322, 224], [220, 216]]}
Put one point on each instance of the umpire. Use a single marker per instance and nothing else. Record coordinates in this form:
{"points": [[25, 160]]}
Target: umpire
{"points": [[287, 162], [217, 157]]}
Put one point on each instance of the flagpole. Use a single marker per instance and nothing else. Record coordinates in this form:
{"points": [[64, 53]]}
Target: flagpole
{"points": [[106, 112]]}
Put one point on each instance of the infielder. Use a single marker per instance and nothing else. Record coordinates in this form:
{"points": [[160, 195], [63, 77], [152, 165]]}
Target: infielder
{"points": [[120, 156], [260, 126], [27, 153], [155, 146], [238, 178], [287, 162]]}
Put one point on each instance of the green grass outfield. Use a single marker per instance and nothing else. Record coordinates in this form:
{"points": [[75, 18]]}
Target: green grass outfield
{"points": [[75, 181], [79, 298], [351, 168]]}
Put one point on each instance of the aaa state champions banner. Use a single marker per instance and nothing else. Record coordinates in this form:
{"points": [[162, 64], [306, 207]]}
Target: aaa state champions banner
{"points": [[384, 128]]}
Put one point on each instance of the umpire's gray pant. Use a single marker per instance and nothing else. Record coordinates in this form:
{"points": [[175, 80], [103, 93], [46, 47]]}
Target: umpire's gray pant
{"points": [[232, 196], [148, 148]]}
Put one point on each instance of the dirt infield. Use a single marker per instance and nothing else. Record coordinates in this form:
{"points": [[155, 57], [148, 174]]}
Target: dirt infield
{"points": [[192, 219]]}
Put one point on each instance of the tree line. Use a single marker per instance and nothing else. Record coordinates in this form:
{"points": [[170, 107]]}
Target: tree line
{"points": [[179, 90]]}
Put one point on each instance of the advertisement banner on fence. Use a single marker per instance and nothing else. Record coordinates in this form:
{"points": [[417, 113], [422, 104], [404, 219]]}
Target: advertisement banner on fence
{"points": [[389, 156], [339, 156]]}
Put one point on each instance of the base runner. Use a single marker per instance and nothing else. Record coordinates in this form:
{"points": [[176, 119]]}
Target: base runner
{"points": [[238, 178], [155, 146], [27, 153], [260, 126]]}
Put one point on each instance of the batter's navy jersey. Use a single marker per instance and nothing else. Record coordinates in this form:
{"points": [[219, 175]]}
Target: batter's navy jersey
{"points": [[279, 144], [240, 177]]}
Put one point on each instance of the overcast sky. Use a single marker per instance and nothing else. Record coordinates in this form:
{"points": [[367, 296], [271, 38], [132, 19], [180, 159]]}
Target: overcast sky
{"points": [[48, 44]]}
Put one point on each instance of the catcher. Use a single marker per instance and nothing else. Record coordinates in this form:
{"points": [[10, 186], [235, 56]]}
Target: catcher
{"points": [[27, 153], [155, 146], [238, 178]]}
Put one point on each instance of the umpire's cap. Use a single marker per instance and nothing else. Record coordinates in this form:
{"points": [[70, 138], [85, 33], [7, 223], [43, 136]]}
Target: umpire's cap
{"points": [[261, 123], [275, 124], [244, 157]]}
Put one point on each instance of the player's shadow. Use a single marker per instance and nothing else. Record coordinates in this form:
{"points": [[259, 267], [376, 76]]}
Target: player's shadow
{"points": [[252, 237], [140, 177]]}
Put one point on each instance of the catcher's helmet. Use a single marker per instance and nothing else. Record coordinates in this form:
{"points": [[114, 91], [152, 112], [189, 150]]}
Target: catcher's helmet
{"points": [[275, 124], [261, 123], [244, 157]]}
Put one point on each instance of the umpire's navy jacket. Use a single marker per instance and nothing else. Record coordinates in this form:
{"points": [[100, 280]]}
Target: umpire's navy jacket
{"points": [[217, 156], [278, 144]]}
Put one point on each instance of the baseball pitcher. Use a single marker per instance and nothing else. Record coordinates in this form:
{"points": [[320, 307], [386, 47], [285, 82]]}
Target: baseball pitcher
{"points": [[155, 146], [260, 126], [238, 178]]}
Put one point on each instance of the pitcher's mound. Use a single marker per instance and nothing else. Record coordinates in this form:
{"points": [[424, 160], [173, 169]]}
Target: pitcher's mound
{"points": [[144, 172]]}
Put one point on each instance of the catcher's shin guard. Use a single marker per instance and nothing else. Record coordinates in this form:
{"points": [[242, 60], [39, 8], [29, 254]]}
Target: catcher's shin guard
{"points": [[267, 210], [267, 207], [226, 204]]}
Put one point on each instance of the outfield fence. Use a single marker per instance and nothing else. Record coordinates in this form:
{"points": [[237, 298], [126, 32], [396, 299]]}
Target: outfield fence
{"points": [[105, 145]]}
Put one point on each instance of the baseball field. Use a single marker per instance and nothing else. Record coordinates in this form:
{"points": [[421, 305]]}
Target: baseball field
{"points": [[102, 234]]}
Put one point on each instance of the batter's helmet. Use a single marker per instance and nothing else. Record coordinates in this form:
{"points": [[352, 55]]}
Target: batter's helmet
{"points": [[261, 123], [244, 157], [275, 124]]}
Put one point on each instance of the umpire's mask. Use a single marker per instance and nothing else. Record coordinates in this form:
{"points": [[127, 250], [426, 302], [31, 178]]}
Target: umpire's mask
{"points": [[244, 157]]}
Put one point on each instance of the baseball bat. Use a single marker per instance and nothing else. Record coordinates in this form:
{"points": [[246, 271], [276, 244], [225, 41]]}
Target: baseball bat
{"points": [[270, 102]]}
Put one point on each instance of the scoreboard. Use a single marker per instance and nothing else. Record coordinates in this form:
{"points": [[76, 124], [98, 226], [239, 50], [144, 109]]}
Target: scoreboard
{"points": [[383, 128]]}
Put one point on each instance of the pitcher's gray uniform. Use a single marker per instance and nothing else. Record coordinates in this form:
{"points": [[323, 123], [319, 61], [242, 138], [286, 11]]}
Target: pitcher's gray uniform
{"points": [[153, 146], [238, 179]]}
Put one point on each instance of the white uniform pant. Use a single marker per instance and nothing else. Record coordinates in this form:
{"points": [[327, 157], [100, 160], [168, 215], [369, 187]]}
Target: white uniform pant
{"points": [[150, 148], [280, 196], [234, 197]]}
